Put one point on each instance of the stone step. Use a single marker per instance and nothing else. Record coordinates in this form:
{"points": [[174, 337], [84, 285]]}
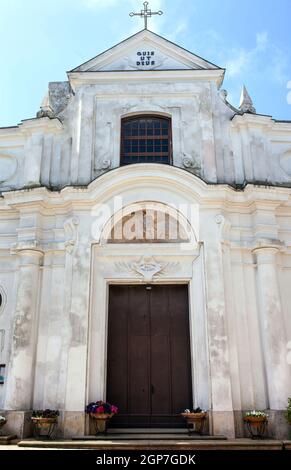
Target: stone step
{"points": [[165, 444], [149, 437], [7, 440], [147, 431]]}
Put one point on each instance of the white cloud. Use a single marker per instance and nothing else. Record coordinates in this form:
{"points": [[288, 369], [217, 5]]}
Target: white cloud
{"points": [[279, 65], [265, 58], [182, 27], [242, 59], [262, 41]]}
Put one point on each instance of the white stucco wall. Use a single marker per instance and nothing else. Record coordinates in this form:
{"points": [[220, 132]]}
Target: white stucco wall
{"points": [[73, 269], [54, 270]]}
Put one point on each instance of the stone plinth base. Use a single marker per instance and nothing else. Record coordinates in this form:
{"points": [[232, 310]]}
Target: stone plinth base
{"points": [[222, 423], [18, 423], [73, 424]]}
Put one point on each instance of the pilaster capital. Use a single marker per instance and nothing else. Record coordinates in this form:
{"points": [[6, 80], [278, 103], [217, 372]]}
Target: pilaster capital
{"points": [[266, 251], [28, 252], [267, 245]]}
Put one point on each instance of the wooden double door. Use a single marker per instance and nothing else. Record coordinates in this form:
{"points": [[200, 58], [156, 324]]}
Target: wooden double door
{"points": [[148, 358]]}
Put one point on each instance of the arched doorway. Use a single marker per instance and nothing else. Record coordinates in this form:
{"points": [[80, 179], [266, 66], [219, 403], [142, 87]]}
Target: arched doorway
{"points": [[156, 262], [148, 344]]}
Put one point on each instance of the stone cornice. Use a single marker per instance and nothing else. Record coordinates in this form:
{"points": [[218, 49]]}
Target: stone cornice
{"points": [[267, 123], [78, 79], [31, 126], [42, 125], [115, 182], [248, 120]]}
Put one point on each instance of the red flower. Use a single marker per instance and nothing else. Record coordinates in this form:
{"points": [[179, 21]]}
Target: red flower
{"points": [[100, 409]]}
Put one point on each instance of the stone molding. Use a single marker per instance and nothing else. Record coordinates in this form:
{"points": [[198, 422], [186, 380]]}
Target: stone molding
{"points": [[71, 234], [147, 267]]}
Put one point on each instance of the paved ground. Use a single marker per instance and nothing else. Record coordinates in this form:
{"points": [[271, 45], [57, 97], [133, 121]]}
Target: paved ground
{"points": [[15, 447], [235, 444]]}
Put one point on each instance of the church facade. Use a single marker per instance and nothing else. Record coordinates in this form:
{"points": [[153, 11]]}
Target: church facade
{"points": [[145, 248]]}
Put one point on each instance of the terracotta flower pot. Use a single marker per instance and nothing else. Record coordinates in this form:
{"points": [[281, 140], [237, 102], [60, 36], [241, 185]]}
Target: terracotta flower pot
{"points": [[255, 421], [44, 427], [196, 420], [257, 426], [194, 416], [44, 421], [100, 421]]}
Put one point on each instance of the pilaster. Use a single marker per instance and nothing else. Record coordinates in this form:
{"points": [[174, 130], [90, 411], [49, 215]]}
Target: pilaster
{"points": [[20, 382], [273, 331], [220, 377]]}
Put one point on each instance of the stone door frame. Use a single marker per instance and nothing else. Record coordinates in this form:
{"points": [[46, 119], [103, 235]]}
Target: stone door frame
{"points": [[119, 264]]}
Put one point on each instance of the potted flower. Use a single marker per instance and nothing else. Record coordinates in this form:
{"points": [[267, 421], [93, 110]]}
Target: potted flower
{"points": [[2, 421], [101, 411], [195, 419], [256, 422], [44, 422]]}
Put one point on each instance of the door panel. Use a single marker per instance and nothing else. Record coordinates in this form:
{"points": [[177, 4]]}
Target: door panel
{"points": [[117, 364], [160, 375], [149, 367]]}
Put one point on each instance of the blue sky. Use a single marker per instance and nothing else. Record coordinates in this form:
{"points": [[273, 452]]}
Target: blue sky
{"points": [[41, 39]]}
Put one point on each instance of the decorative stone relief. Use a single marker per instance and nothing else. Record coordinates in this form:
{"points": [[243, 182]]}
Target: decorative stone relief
{"points": [[285, 162], [2, 299], [219, 219], [106, 164], [191, 163], [71, 233], [147, 267], [2, 342], [223, 95], [8, 167], [102, 162], [257, 146], [224, 226]]}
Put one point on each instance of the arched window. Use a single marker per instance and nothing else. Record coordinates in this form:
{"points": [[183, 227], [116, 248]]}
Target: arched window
{"points": [[146, 139]]}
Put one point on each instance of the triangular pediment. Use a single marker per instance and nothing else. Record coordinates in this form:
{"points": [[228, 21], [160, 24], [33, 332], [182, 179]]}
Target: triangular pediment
{"points": [[145, 51]]}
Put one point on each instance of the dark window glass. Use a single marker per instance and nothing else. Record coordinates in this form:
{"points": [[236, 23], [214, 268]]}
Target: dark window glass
{"points": [[146, 139]]}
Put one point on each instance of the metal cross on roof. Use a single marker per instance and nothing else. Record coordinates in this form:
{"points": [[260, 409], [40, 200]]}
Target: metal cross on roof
{"points": [[146, 13]]}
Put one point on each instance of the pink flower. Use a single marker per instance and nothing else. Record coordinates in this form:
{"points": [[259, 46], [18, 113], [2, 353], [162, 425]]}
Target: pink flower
{"points": [[114, 409], [100, 409]]}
